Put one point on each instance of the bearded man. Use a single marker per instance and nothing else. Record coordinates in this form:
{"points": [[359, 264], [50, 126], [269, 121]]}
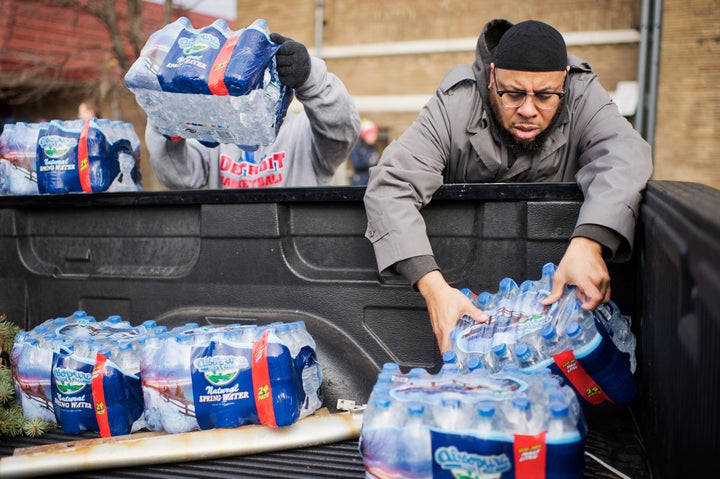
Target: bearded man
{"points": [[524, 112]]}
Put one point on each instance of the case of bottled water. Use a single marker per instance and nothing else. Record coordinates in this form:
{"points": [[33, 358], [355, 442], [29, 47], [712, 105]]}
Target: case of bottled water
{"points": [[74, 371], [594, 351], [69, 156], [114, 378], [212, 84], [472, 424], [228, 376]]}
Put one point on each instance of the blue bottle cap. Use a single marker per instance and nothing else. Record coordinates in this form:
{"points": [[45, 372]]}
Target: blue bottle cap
{"points": [[415, 409], [484, 299], [473, 363], [573, 329], [449, 356], [499, 349], [558, 409], [486, 409], [522, 351], [452, 403], [507, 284], [381, 402], [548, 331], [521, 403], [391, 367]]}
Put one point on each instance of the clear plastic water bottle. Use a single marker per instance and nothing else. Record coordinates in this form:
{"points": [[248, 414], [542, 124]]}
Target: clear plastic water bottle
{"points": [[546, 280], [380, 438], [472, 364], [128, 359], [561, 428], [501, 357], [450, 415], [485, 301], [415, 450], [519, 416], [249, 59], [526, 356], [143, 72], [485, 425], [619, 329], [177, 414], [579, 336], [552, 343]]}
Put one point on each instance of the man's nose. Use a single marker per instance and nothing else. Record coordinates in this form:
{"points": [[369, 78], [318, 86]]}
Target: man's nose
{"points": [[528, 108]]}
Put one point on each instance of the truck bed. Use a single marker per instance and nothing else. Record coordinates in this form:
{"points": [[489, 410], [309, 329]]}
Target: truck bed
{"points": [[260, 256]]}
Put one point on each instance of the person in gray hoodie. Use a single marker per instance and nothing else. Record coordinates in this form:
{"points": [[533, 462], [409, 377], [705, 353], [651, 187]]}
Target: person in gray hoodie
{"points": [[309, 146], [524, 112]]}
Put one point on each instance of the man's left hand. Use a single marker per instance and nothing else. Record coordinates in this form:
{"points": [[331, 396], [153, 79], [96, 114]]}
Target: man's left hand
{"points": [[582, 266]]}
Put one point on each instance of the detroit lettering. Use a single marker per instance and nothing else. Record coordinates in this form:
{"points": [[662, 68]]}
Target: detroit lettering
{"points": [[243, 174]]}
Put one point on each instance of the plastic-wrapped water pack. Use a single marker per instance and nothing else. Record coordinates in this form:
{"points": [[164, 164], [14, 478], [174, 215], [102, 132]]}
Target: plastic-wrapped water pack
{"points": [[212, 84], [594, 351], [114, 378], [478, 424]]}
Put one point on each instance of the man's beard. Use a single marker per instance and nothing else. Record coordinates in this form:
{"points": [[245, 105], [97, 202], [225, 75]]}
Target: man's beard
{"points": [[522, 147]]}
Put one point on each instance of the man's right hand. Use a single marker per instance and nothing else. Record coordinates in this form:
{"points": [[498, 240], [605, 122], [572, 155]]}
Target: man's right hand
{"points": [[446, 305]]}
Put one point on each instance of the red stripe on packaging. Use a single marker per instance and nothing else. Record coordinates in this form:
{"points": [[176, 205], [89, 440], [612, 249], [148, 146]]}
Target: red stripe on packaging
{"points": [[98, 394], [579, 378], [83, 159], [530, 454], [261, 382], [216, 79]]}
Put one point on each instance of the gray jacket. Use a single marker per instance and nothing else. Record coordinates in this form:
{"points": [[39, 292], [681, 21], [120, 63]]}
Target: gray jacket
{"points": [[309, 146], [454, 140]]}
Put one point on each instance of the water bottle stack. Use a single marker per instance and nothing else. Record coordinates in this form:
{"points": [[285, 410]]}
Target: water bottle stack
{"points": [[593, 351], [203, 378], [213, 84], [475, 424], [69, 156], [81, 373], [114, 378]]}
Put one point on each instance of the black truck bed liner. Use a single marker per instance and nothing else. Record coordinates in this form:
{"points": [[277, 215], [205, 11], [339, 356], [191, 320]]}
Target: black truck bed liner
{"points": [[299, 253]]}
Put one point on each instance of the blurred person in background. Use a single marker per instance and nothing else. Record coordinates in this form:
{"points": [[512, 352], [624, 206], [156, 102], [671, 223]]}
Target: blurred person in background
{"points": [[87, 109], [365, 153]]}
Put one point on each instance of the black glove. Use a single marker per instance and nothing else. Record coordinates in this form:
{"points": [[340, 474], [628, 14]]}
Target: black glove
{"points": [[293, 61]]}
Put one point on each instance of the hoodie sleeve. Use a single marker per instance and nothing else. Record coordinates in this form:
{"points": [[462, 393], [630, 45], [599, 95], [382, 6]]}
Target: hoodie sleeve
{"points": [[181, 164], [334, 119]]}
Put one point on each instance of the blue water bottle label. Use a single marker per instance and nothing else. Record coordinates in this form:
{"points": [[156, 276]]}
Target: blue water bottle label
{"points": [[117, 398], [457, 455], [72, 395], [222, 386]]}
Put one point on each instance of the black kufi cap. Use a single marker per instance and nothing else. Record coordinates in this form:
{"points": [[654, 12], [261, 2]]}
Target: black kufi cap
{"points": [[531, 46]]}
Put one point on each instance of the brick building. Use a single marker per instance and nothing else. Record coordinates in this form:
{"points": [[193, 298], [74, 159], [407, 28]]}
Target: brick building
{"points": [[392, 55]]}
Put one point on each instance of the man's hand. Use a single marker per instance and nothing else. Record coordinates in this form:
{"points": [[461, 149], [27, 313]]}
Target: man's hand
{"points": [[446, 305], [293, 61], [582, 266]]}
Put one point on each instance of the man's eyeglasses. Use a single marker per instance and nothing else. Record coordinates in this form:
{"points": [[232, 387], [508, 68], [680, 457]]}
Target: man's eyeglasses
{"points": [[544, 100]]}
